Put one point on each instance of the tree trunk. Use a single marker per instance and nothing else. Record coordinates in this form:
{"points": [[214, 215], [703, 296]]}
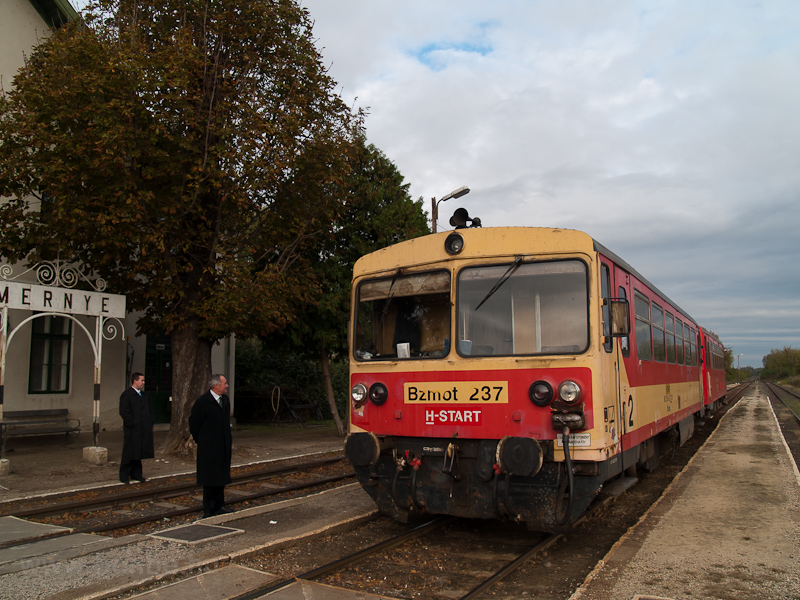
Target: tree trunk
{"points": [[191, 370], [326, 375]]}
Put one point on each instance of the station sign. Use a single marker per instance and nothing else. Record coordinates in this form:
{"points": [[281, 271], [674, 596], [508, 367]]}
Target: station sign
{"points": [[26, 296]]}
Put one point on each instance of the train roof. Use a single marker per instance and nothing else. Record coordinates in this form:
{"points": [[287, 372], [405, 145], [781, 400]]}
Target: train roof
{"points": [[505, 241]]}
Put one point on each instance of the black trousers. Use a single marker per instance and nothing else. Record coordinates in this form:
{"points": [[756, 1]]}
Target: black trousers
{"points": [[213, 499], [130, 469]]}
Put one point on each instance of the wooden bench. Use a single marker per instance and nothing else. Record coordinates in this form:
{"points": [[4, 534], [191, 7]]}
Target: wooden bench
{"points": [[299, 409], [38, 422]]}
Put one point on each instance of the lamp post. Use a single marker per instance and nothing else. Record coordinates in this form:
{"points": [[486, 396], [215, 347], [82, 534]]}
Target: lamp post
{"points": [[462, 191], [738, 369]]}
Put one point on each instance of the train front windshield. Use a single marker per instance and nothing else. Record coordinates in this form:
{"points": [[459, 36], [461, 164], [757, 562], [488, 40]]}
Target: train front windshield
{"points": [[510, 309], [403, 316], [523, 308]]}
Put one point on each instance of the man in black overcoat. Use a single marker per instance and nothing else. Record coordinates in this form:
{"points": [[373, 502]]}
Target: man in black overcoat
{"points": [[210, 426], [137, 430]]}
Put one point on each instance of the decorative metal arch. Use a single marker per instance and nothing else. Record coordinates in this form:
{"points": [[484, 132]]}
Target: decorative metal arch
{"points": [[57, 273]]}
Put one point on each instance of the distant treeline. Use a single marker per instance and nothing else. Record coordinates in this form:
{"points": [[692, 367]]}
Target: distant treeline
{"points": [[781, 364]]}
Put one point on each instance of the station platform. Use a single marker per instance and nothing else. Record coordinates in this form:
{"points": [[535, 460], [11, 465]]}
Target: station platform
{"points": [[55, 463], [727, 527], [81, 566]]}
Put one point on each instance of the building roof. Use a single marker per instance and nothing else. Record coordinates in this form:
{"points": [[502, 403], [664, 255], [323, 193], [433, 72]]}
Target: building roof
{"points": [[55, 12]]}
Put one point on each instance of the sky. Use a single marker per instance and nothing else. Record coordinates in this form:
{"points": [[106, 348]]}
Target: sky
{"points": [[667, 130]]}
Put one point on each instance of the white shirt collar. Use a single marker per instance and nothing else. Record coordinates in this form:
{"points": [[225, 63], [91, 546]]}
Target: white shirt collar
{"points": [[216, 396]]}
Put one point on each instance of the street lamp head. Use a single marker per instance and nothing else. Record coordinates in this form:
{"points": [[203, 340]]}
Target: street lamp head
{"points": [[462, 191]]}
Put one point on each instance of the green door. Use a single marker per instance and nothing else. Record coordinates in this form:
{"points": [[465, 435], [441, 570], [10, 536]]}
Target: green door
{"points": [[158, 376]]}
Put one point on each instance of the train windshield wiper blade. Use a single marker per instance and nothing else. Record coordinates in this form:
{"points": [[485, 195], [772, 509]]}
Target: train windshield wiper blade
{"points": [[389, 296], [502, 280]]}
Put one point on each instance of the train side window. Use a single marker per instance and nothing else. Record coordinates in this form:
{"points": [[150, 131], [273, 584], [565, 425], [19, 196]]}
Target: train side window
{"points": [[605, 292], [659, 351], [644, 344], [624, 343], [691, 349], [670, 330], [679, 341]]}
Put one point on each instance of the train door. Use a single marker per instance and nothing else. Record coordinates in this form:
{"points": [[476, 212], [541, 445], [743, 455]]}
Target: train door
{"points": [[622, 284], [613, 415]]}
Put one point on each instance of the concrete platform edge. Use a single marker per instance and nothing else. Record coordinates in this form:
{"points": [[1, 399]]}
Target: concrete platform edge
{"points": [[578, 594], [602, 562], [187, 570], [186, 473]]}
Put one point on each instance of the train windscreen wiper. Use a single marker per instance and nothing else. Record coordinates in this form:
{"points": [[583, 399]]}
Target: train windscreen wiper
{"points": [[509, 272], [389, 296]]}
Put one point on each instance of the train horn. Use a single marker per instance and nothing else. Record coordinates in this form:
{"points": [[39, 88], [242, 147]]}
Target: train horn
{"points": [[460, 218]]}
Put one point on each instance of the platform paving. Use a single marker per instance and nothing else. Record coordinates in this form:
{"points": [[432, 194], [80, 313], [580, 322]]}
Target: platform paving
{"points": [[135, 561], [728, 526]]}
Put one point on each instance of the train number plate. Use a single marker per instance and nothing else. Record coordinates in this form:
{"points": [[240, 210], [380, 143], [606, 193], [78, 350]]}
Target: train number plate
{"points": [[456, 392]]}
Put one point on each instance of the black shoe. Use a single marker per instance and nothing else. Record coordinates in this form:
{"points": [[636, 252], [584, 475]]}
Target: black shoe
{"points": [[208, 513], [223, 511], [140, 479], [125, 481]]}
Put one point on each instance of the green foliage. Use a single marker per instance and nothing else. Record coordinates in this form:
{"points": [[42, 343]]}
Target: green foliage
{"points": [[185, 150], [261, 367], [377, 212], [781, 364]]}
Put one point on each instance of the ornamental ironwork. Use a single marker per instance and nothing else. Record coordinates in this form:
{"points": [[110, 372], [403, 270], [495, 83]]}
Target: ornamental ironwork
{"points": [[55, 273]]}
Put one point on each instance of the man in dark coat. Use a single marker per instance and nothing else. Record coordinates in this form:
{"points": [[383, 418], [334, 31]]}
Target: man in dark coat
{"points": [[210, 426], [137, 429]]}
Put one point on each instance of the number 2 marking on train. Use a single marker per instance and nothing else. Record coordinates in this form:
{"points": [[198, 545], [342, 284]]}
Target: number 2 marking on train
{"points": [[630, 411]]}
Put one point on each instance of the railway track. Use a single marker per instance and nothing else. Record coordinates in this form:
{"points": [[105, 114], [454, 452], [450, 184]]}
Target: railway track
{"points": [[789, 398], [496, 559], [118, 509], [439, 543]]}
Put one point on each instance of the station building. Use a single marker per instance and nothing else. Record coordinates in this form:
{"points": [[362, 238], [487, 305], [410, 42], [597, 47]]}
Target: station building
{"points": [[50, 360]]}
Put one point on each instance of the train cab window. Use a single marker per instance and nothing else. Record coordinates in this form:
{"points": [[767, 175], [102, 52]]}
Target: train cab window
{"points": [[605, 291], [405, 316], [669, 321], [659, 350], [644, 344], [679, 341], [523, 308], [624, 342]]}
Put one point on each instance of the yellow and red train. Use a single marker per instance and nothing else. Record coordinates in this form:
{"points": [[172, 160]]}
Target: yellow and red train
{"points": [[513, 372]]}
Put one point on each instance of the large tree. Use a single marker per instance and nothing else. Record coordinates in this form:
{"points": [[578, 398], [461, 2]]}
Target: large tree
{"points": [[187, 151], [378, 211]]}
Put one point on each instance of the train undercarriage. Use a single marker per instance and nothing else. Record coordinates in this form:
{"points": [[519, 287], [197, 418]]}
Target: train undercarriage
{"points": [[464, 478]]}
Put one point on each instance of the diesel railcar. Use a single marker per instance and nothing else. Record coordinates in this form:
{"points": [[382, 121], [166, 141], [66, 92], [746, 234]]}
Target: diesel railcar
{"points": [[511, 372]]}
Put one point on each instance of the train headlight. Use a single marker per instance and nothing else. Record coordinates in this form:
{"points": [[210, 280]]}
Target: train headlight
{"points": [[454, 243], [569, 392], [359, 393], [540, 393], [378, 393]]}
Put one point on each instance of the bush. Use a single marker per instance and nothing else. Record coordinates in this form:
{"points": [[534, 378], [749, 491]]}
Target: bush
{"points": [[261, 371]]}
